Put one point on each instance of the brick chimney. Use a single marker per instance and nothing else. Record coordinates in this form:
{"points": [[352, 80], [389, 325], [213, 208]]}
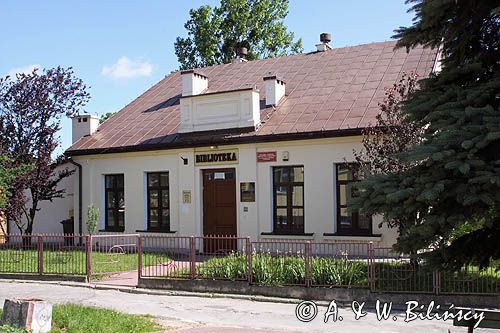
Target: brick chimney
{"points": [[193, 83], [275, 89], [83, 125]]}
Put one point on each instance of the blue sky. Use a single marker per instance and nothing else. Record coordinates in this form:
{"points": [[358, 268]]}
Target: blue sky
{"points": [[121, 48]]}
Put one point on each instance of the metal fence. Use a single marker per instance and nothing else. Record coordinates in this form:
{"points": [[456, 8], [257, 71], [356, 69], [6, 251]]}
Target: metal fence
{"points": [[113, 254], [43, 254], [280, 262]]}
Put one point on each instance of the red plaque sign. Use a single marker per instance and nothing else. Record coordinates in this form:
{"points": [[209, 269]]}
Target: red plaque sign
{"points": [[268, 156]]}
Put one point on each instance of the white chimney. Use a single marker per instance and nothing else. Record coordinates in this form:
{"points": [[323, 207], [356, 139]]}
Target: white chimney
{"points": [[275, 89], [83, 125], [325, 39], [193, 83]]}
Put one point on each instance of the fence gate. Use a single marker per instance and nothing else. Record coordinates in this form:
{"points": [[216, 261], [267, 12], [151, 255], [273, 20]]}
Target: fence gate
{"points": [[113, 259]]}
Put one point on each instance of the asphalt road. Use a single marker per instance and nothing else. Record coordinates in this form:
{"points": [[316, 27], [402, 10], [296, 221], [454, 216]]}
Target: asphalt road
{"points": [[193, 314]]}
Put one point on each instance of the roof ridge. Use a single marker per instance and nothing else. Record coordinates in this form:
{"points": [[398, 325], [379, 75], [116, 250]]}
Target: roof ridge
{"points": [[283, 56]]}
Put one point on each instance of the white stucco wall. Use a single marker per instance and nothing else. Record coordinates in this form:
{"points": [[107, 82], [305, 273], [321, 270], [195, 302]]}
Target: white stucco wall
{"points": [[48, 218], [317, 156]]}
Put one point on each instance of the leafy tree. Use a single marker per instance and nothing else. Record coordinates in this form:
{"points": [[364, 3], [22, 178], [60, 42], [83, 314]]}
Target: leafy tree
{"points": [[7, 175], [105, 117], [454, 178], [31, 107], [214, 34], [93, 214]]}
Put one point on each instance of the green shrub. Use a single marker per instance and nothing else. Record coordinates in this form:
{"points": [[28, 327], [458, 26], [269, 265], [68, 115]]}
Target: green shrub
{"points": [[231, 267], [339, 272], [282, 270]]}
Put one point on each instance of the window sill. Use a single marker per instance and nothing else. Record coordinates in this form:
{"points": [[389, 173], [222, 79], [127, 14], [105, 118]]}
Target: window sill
{"points": [[157, 231], [112, 230], [362, 238], [272, 235]]}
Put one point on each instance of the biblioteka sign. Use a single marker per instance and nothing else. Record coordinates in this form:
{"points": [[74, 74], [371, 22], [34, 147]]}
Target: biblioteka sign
{"points": [[216, 157]]}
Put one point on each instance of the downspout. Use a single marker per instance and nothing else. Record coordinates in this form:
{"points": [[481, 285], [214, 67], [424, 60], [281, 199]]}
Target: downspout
{"points": [[80, 181]]}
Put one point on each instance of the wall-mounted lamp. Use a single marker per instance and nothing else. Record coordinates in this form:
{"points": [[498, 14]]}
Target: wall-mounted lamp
{"points": [[184, 159]]}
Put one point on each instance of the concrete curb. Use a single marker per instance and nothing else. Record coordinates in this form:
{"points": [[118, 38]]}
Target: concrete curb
{"points": [[144, 291], [398, 300]]}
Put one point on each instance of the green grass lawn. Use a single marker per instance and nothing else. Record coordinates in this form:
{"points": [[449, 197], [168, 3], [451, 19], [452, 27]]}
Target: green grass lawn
{"points": [[72, 262], [71, 318]]}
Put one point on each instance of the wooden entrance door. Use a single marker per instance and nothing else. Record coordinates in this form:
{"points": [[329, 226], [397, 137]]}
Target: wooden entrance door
{"points": [[219, 208]]}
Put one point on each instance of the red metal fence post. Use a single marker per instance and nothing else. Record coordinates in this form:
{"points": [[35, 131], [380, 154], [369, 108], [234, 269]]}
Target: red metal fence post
{"points": [[139, 257], [371, 266], [308, 259], [249, 259], [88, 253], [436, 282], [192, 256], [40, 254]]}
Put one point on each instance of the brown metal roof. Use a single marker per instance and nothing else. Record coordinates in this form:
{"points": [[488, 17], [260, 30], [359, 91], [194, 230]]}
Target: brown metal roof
{"points": [[329, 93]]}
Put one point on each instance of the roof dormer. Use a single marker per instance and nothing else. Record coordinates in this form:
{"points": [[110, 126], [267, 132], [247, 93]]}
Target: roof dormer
{"points": [[238, 108]]}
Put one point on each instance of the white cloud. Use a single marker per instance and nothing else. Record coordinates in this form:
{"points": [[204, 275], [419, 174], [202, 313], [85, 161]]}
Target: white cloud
{"points": [[126, 68], [22, 70]]}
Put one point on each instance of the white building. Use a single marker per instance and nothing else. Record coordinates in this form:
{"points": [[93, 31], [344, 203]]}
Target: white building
{"points": [[251, 148]]}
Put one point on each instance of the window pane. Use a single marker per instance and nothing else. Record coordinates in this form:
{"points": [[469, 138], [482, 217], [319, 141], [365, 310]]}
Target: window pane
{"points": [[280, 175], [281, 196], [345, 218], [121, 199], [121, 219], [153, 180], [110, 218], [110, 180], [119, 181], [110, 199], [342, 195], [364, 221], [297, 174], [164, 198], [343, 173], [165, 217], [153, 198], [164, 179], [298, 196], [298, 217], [281, 216], [153, 218]]}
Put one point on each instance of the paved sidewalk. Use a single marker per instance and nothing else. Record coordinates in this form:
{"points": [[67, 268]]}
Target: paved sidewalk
{"points": [[193, 314]]}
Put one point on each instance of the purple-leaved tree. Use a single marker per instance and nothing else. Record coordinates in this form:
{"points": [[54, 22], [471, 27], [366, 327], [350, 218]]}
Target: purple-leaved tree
{"points": [[31, 108], [386, 142]]}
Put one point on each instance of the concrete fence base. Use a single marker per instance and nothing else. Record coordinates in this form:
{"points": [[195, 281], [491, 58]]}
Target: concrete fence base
{"points": [[343, 296], [37, 277]]}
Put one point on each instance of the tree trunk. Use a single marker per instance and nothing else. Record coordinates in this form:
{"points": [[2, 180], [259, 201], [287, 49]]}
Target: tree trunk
{"points": [[27, 243]]}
